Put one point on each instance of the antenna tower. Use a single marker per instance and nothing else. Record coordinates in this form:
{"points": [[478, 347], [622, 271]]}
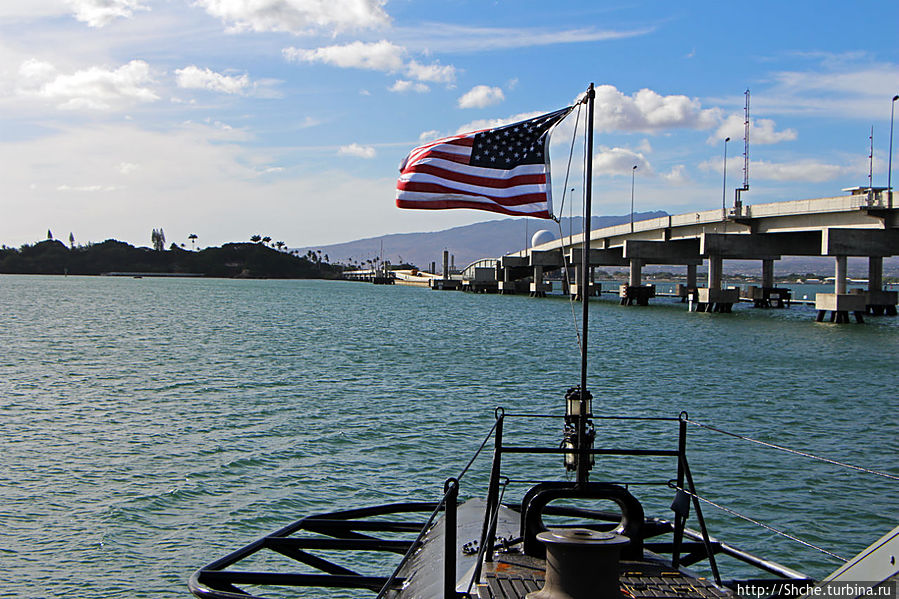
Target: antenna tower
{"points": [[871, 160], [738, 203]]}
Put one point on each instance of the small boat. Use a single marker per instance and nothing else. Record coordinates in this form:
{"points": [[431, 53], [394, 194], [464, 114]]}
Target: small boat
{"points": [[550, 542]]}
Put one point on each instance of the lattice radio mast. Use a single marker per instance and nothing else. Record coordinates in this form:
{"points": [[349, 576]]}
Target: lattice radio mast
{"points": [[738, 203]]}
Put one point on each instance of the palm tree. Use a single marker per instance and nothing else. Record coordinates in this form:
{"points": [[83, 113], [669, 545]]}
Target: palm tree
{"points": [[193, 239], [280, 245], [266, 239], [256, 238]]}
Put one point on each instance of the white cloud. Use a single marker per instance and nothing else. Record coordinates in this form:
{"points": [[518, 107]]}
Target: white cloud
{"points": [[802, 170], [298, 16], [99, 13], [649, 111], [128, 167], [434, 73], [481, 96], [761, 131], [847, 85], [444, 37], [677, 175], [357, 150], [620, 161], [88, 188], [94, 88], [429, 135], [805, 171], [309, 122], [376, 56], [193, 77], [402, 86]]}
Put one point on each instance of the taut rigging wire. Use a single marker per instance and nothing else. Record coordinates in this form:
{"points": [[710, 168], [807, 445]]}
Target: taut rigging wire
{"points": [[574, 132], [793, 451]]}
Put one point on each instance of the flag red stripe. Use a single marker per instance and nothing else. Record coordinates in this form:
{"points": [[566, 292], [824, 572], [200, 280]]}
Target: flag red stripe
{"points": [[423, 151], [430, 169], [460, 158], [524, 198], [447, 204]]}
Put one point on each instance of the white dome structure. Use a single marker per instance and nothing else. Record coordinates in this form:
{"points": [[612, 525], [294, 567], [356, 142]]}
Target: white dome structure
{"points": [[542, 236]]}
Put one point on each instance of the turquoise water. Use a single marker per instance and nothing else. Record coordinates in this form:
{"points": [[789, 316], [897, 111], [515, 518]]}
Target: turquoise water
{"points": [[152, 425]]}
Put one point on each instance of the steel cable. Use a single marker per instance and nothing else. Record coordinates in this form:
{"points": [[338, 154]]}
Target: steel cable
{"points": [[757, 523], [793, 451]]}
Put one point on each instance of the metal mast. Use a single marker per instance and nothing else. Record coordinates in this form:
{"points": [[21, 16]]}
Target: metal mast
{"points": [[871, 161], [738, 203], [583, 399]]}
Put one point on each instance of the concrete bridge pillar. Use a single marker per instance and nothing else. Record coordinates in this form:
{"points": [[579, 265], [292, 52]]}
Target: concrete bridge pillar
{"points": [[538, 287], [507, 287], [880, 302], [691, 276], [875, 273], [840, 303], [713, 298], [839, 283], [636, 273], [769, 296], [684, 291], [715, 266], [635, 292], [768, 273]]}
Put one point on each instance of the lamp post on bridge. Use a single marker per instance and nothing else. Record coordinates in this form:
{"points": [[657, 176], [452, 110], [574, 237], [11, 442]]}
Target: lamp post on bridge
{"points": [[890, 162], [633, 177], [724, 191]]}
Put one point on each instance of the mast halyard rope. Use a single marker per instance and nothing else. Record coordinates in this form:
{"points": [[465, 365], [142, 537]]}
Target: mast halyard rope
{"points": [[574, 132]]}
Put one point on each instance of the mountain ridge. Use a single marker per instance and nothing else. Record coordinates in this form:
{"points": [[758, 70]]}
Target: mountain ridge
{"points": [[467, 243]]}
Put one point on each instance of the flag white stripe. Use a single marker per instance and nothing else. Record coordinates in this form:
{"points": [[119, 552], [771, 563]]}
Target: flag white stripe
{"points": [[415, 154], [496, 192], [480, 171]]}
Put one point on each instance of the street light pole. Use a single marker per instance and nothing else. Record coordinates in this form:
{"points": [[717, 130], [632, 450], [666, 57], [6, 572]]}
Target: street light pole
{"points": [[633, 176], [724, 191], [890, 162]]}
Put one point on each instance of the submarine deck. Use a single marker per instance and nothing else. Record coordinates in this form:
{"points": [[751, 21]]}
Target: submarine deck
{"points": [[513, 576]]}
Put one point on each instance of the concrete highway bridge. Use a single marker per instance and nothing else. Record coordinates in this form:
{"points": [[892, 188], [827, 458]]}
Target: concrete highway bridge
{"points": [[863, 223]]}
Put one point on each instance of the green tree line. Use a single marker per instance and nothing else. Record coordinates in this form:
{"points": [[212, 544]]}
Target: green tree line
{"points": [[250, 260]]}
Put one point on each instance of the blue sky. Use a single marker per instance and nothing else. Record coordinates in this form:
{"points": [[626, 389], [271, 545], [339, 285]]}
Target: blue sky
{"points": [[289, 118]]}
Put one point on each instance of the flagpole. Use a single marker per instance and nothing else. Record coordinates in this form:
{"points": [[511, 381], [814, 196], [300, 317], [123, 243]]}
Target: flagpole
{"points": [[583, 461]]}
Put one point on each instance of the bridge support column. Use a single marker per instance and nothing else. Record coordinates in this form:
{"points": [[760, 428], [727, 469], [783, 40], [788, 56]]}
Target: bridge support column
{"points": [[635, 292], [880, 302], [769, 296], [538, 287], [840, 275], [582, 282], [768, 273], [684, 291], [507, 285], [636, 273], [840, 303], [713, 298], [715, 266]]}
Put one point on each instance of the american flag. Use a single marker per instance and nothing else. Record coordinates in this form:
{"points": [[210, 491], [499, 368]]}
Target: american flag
{"points": [[504, 170]]}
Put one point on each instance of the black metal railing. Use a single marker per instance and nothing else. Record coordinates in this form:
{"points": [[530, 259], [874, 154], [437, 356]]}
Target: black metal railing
{"points": [[353, 530]]}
